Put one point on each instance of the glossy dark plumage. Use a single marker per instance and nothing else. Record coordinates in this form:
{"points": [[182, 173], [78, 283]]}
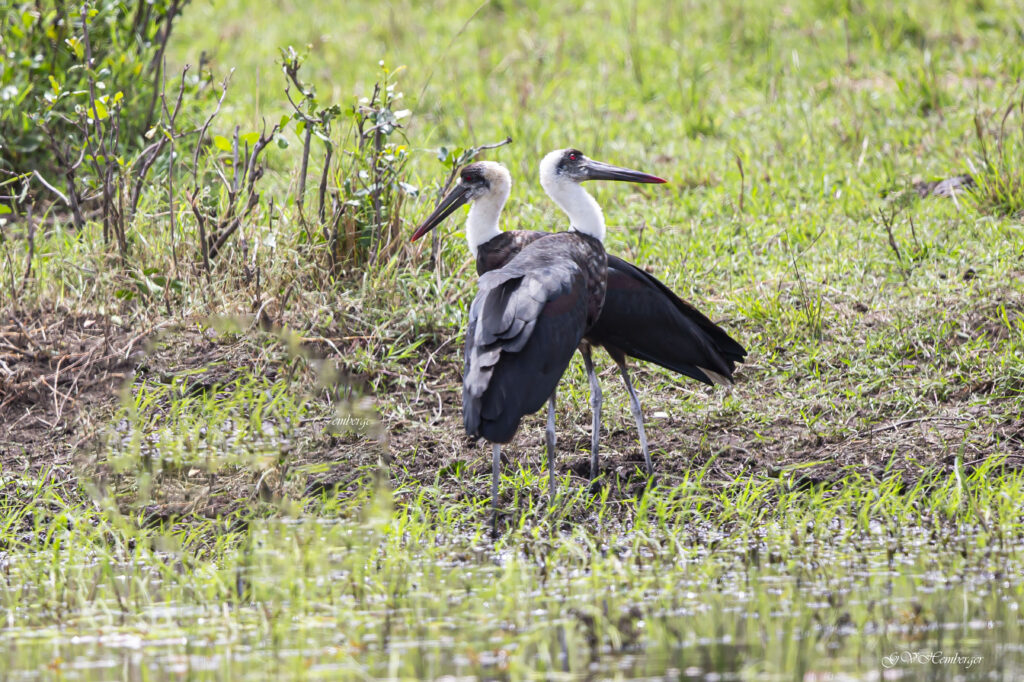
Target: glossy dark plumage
{"points": [[644, 319], [527, 320], [498, 251], [641, 318]]}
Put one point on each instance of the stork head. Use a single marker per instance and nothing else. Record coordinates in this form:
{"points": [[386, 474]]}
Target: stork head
{"points": [[561, 174], [571, 166], [483, 181]]}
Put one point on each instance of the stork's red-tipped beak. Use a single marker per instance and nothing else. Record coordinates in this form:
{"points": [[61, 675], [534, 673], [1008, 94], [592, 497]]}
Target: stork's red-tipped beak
{"points": [[597, 170], [451, 202]]}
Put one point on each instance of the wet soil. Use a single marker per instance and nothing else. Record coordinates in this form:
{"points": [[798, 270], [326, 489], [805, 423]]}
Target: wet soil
{"points": [[62, 375]]}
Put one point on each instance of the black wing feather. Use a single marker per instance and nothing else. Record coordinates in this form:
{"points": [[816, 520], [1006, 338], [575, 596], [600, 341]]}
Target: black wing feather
{"points": [[644, 319], [524, 326]]}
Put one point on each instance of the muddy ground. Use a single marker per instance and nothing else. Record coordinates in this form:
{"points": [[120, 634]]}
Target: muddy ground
{"points": [[63, 375]]}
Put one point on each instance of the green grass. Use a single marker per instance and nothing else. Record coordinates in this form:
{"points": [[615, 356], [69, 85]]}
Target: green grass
{"points": [[856, 495]]}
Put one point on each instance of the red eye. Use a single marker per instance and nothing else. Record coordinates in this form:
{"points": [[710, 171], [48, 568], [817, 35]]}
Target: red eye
{"points": [[572, 157]]}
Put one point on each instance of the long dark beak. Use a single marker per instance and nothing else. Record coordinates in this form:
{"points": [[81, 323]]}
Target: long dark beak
{"points": [[605, 171], [451, 203]]}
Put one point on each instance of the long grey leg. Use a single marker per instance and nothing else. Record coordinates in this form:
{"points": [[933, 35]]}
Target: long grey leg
{"points": [[595, 408], [638, 416], [549, 437], [495, 476]]}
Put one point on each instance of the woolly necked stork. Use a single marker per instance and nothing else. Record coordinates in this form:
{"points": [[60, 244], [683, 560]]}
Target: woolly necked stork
{"points": [[641, 318]]}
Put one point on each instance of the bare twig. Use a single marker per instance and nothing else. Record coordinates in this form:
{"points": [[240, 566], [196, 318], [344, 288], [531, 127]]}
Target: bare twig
{"points": [[31, 237], [300, 198], [322, 214], [887, 218], [252, 173], [206, 125], [201, 224], [444, 55], [906, 422], [291, 63], [99, 133], [158, 65], [378, 143], [151, 153], [50, 187]]}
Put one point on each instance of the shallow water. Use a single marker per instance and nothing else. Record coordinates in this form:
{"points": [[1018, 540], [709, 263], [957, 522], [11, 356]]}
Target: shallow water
{"points": [[319, 600]]}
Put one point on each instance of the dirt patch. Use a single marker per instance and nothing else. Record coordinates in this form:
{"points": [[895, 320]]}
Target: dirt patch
{"points": [[57, 371], [726, 448]]}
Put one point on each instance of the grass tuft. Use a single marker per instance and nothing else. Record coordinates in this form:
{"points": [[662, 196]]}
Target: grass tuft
{"points": [[999, 172]]}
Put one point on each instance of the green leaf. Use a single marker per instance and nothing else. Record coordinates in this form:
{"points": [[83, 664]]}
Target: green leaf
{"points": [[249, 138], [100, 109], [76, 46], [222, 143], [4, 209]]}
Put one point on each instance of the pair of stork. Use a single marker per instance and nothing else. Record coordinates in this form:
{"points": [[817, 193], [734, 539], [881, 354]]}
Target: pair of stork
{"points": [[544, 295]]}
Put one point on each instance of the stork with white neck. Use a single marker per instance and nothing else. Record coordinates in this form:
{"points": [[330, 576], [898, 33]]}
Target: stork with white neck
{"points": [[641, 317]]}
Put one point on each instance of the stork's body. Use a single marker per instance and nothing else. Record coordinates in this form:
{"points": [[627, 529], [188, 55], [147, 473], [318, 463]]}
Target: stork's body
{"points": [[642, 318], [524, 326]]}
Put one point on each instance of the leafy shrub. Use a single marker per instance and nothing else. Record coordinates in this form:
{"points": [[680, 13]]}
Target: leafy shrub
{"points": [[363, 177], [52, 93]]}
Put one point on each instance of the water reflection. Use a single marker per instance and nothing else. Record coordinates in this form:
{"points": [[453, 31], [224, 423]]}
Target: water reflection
{"points": [[868, 606]]}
